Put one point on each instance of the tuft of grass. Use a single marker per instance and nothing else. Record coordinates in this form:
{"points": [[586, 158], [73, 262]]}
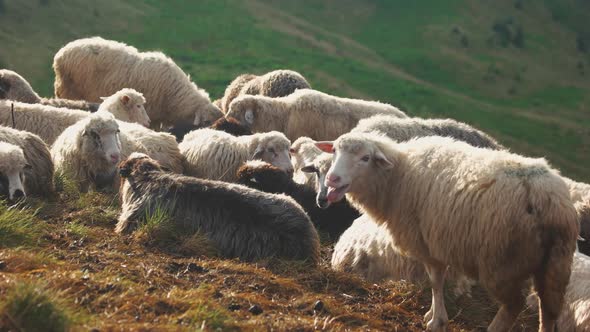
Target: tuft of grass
{"points": [[64, 184], [32, 307], [160, 231], [206, 314], [18, 225]]}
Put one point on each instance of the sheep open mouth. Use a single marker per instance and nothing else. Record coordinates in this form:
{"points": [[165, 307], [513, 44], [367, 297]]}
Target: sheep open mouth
{"points": [[336, 194]]}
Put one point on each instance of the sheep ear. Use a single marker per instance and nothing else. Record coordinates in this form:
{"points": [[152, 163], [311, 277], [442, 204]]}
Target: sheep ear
{"points": [[325, 146], [249, 117], [103, 98], [258, 153], [382, 161], [84, 133], [292, 151], [308, 169], [125, 99], [197, 120]]}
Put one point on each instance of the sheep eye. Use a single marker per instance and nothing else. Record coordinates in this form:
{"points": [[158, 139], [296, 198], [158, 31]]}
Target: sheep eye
{"points": [[118, 130], [365, 158]]}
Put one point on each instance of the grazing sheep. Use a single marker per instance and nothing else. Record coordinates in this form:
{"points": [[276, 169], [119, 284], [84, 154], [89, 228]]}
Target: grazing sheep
{"points": [[258, 225], [575, 315], [266, 177], [158, 145], [496, 217], [89, 68], [216, 155], [402, 130], [15, 87], [39, 176], [12, 171], [88, 152], [233, 90], [303, 152], [306, 112], [228, 125], [126, 105], [46, 121], [277, 83]]}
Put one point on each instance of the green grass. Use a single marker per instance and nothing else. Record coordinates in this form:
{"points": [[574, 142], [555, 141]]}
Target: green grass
{"points": [[18, 226], [31, 307], [536, 103]]}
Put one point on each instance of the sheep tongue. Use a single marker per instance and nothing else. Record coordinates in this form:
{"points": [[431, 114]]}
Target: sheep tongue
{"points": [[334, 194]]}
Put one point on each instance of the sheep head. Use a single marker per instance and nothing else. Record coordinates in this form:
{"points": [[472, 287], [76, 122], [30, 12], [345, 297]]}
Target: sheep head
{"points": [[136, 164], [100, 145], [12, 172], [273, 148]]}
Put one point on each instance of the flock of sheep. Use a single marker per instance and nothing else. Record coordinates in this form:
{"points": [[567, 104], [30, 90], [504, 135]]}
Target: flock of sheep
{"points": [[261, 169]]}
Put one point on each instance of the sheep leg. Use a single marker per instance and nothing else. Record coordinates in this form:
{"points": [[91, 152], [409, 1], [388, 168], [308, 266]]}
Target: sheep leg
{"points": [[437, 315], [512, 301]]}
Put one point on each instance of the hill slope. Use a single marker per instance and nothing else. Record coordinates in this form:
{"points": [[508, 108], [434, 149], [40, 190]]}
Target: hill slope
{"points": [[517, 69]]}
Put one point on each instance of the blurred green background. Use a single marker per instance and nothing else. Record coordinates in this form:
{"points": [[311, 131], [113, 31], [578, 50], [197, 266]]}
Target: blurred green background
{"points": [[518, 69]]}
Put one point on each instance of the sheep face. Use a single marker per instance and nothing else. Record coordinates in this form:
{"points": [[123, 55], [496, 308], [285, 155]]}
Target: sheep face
{"points": [[354, 158], [205, 116], [135, 109], [102, 150], [320, 168], [12, 172], [244, 109], [274, 149], [231, 126]]}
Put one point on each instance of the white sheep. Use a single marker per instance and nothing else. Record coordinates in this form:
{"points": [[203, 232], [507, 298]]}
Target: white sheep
{"points": [[493, 216], [88, 152], [12, 170], [306, 112], [15, 87], [404, 129], [303, 152], [217, 155], [89, 68], [39, 176], [126, 105], [276, 83]]}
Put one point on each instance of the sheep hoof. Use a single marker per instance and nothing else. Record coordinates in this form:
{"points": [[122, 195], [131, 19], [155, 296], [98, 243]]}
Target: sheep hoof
{"points": [[437, 325]]}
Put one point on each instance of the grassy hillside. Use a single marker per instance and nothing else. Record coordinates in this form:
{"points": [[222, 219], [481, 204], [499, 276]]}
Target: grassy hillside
{"points": [[515, 68]]}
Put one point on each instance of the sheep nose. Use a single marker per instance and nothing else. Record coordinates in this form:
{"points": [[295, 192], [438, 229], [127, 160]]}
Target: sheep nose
{"points": [[18, 194], [114, 158], [333, 178]]}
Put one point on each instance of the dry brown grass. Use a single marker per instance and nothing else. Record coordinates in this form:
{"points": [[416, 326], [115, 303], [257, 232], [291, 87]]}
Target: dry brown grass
{"points": [[133, 283]]}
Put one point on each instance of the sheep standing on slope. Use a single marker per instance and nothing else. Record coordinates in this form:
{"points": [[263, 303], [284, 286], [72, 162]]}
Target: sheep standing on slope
{"points": [[88, 152], [258, 225], [306, 112], [126, 105], [93, 67], [277, 83], [487, 214], [15, 87], [12, 170], [39, 176], [215, 155], [266, 177]]}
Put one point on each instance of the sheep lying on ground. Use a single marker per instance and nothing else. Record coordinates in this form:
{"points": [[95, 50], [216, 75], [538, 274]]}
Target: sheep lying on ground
{"points": [[88, 152], [15, 87], [433, 189], [12, 171], [306, 112], [126, 105], [575, 315], [229, 125], [46, 121], [277, 83], [89, 68], [158, 145], [402, 130], [258, 225], [266, 177], [215, 155], [39, 176]]}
